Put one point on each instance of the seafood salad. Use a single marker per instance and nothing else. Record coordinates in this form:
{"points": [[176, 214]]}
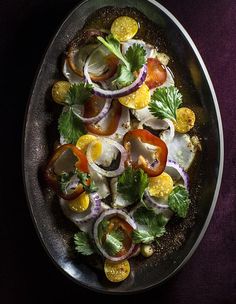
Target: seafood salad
{"points": [[121, 168]]}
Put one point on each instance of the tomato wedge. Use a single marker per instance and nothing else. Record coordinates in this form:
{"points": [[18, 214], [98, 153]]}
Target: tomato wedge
{"points": [[161, 152], [51, 176], [156, 73], [113, 116]]}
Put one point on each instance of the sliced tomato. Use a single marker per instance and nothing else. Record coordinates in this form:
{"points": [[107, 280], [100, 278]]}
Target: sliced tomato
{"points": [[160, 154], [156, 73], [92, 108]]}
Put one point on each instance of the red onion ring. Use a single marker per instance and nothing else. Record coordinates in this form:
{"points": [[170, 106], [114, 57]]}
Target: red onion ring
{"points": [[108, 214], [180, 170], [104, 111], [117, 93], [154, 202], [86, 216], [168, 135], [103, 172]]}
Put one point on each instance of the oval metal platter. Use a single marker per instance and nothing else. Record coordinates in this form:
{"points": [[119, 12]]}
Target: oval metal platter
{"points": [[40, 132]]}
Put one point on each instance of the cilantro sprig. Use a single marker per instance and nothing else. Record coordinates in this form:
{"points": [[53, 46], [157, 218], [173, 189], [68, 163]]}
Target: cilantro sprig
{"points": [[69, 125], [179, 201], [132, 61], [154, 226], [83, 243], [84, 177], [132, 184], [164, 102], [65, 179]]}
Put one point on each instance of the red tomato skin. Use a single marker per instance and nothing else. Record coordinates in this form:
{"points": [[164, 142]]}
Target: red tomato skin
{"points": [[156, 73]]}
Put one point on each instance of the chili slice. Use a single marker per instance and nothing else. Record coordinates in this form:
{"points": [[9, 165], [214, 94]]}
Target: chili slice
{"points": [[161, 152], [52, 178]]}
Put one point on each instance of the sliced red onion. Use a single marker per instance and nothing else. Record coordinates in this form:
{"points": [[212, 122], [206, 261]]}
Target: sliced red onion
{"points": [[154, 202], [104, 111], [117, 93], [103, 172], [123, 127], [168, 135], [135, 251], [183, 174], [71, 76], [153, 122], [147, 47], [88, 225], [83, 217], [107, 215], [99, 66]]}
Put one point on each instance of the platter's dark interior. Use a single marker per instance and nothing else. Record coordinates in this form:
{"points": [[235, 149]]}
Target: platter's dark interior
{"points": [[41, 132]]}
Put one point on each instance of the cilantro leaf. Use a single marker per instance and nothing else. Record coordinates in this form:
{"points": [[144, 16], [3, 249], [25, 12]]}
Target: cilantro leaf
{"points": [[132, 61], [79, 93], [83, 243], [113, 45], [142, 236], [179, 201], [84, 177], [132, 184], [64, 180], [113, 243], [154, 225], [136, 56], [70, 126], [165, 102], [76, 176], [125, 77]]}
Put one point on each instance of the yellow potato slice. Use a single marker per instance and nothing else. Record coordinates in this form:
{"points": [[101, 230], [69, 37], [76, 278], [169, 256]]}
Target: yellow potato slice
{"points": [[85, 140], [117, 271], [138, 99], [185, 119], [80, 203], [161, 185], [59, 91], [124, 28]]}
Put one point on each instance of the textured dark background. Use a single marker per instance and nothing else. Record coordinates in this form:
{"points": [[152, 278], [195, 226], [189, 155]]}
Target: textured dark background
{"points": [[26, 273]]}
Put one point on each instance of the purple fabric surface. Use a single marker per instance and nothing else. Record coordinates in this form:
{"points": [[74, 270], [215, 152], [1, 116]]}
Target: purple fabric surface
{"points": [[210, 275]]}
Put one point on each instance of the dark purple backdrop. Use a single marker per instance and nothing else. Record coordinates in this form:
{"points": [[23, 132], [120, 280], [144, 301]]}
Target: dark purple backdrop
{"points": [[26, 273]]}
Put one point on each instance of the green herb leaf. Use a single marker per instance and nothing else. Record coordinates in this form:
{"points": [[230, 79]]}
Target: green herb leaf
{"points": [[179, 201], [154, 225], [136, 56], [83, 243], [165, 102], [142, 236], [113, 243], [113, 45], [84, 177], [132, 184], [133, 60], [79, 93], [125, 77], [70, 126], [64, 180]]}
